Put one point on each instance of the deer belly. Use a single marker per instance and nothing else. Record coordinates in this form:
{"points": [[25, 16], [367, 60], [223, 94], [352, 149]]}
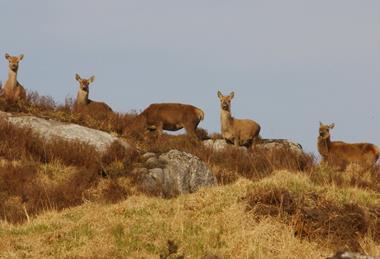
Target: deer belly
{"points": [[172, 127]]}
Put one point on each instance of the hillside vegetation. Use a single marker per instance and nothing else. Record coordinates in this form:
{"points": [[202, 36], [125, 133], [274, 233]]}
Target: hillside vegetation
{"points": [[64, 199]]}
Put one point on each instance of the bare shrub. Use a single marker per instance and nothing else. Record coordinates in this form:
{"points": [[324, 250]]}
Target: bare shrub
{"points": [[22, 193], [114, 192], [23, 144], [43, 103], [339, 226]]}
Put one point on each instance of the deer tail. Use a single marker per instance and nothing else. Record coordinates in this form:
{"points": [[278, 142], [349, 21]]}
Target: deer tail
{"points": [[200, 113], [377, 148]]}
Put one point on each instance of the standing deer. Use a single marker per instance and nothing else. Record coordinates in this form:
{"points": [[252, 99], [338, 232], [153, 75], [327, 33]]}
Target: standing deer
{"points": [[344, 153], [83, 103], [172, 117], [240, 132], [12, 89]]}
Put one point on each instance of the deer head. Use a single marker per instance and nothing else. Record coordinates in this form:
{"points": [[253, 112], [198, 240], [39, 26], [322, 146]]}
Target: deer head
{"points": [[225, 101], [13, 61], [324, 130], [84, 83]]}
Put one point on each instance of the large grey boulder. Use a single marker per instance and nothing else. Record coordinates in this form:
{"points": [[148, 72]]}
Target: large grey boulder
{"points": [[48, 129], [262, 144], [175, 173], [273, 144]]}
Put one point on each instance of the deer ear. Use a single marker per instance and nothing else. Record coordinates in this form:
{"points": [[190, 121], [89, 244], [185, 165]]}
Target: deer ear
{"points": [[21, 57], [77, 77], [332, 125], [7, 56], [232, 94], [92, 79], [320, 124], [220, 95]]}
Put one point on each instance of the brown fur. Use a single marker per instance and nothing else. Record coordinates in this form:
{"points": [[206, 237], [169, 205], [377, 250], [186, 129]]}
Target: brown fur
{"points": [[83, 103], [341, 153], [13, 90], [172, 117], [237, 131]]}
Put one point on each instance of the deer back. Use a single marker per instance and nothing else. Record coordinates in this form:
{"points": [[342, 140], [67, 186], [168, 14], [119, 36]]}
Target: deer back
{"points": [[172, 113], [354, 153]]}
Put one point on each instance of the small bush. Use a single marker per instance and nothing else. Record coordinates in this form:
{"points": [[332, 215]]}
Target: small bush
{"points": [[119, 161], [41, 103], [315, 217], [114, 192], [16, 186], [117, 152], [23, 193]]}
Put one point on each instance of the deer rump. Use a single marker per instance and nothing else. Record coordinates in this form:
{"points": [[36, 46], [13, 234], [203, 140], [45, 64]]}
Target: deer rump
{"points": [[172, 117]]}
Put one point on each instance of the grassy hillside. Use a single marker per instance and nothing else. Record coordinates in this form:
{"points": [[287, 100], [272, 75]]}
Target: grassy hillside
{"points": [[227, 221], [63, 199]]}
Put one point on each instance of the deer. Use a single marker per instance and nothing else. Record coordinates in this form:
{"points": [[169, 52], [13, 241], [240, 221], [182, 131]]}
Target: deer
{"points": [[172, 117], [241, 132], [341, 153], [12, 90], [83, 103]]}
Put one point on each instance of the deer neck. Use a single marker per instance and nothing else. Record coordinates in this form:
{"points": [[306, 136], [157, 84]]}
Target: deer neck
{"points": [[82, 97], [324, 146], [11, 82], [226, 120]]}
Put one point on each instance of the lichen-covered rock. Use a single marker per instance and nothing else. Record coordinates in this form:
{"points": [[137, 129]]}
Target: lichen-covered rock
{"points": [[152, 162], [148, 155], [220, 145], [273, 144], [48, 129], [267, 144], [180, 173], [350, 255]]}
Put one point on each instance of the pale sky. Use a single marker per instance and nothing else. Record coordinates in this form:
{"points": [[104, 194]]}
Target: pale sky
{"points": [[291, 63]]}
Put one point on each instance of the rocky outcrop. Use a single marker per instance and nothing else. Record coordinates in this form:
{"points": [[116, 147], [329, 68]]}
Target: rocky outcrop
{"points": [[262, 144], [219, 145], [273, 144], [173, 173], [48, 129]]}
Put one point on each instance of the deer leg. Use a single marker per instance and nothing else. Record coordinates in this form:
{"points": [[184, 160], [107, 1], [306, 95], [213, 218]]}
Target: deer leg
{"points": [[190, 130], [159, 129], [236, 141]]}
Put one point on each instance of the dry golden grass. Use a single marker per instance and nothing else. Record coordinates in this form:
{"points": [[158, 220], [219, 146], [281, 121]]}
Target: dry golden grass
{"points": [[214, 221], [353, 176], [210, 222]]}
